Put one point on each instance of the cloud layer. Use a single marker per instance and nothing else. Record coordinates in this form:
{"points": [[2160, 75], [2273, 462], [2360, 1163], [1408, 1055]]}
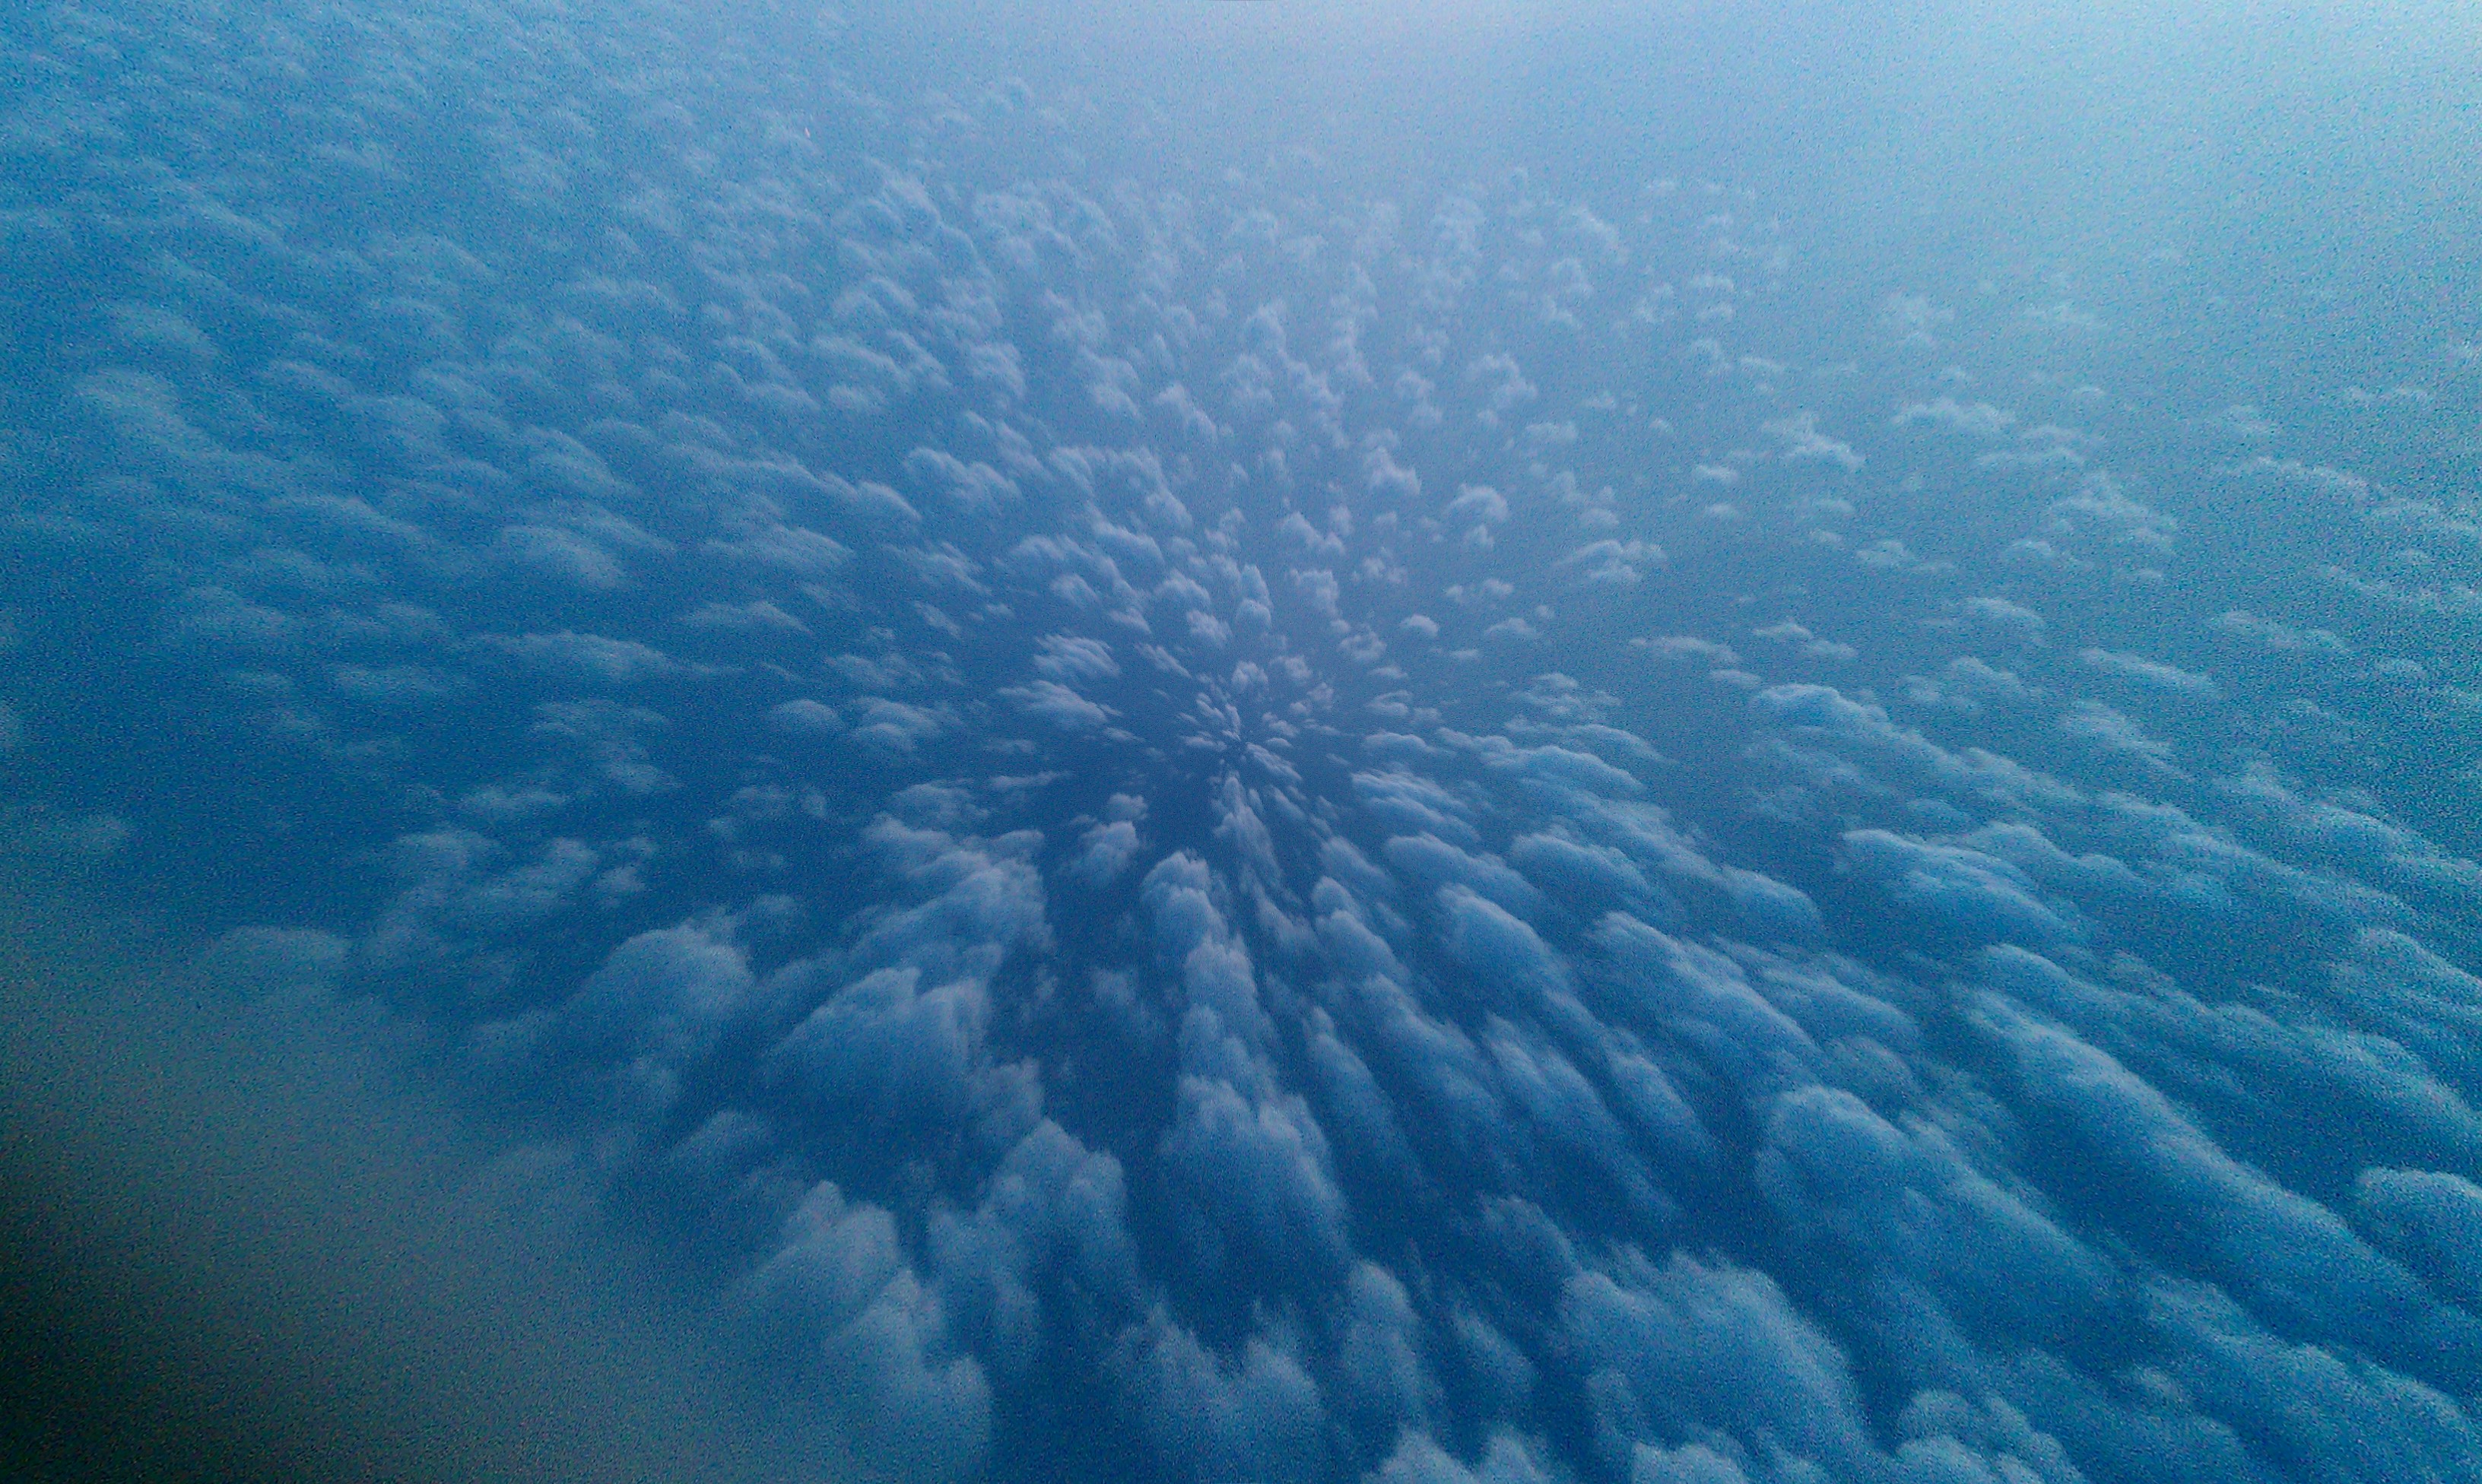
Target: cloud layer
{"points": [[1177, 814]]}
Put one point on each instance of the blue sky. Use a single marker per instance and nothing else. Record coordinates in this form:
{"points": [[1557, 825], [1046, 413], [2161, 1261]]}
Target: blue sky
{"points": [[1237, 742]]}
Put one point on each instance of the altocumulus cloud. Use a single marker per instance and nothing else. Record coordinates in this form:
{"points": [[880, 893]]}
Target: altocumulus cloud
{"points": [[1138, 811]]}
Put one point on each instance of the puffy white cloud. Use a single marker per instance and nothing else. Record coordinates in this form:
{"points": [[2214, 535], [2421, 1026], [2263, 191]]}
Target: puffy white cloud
{"points": [[1657, 984], [1108, 848], [1384, 1383], [1505, 1460], [1405, 801], [2154, 674], [1979, 895], [840, 1299], [1254, 1414], [1801, 440], [1069, 658], [562, 554], [973, 488], [1255, 1174], [1584, 877], [888, 1048], [2305, 1407], [886, 726], [2283, 1250], [1508, 958], [1057, 704], [2239, 1064], [1687, 1345], [1907, 1202], [1052, 1222], [1434, 862], [2007, 618], [587, 659], [1614, 562], [1570, 1117]]}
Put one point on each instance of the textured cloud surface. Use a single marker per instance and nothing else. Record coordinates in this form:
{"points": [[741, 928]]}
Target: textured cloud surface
{"points": [[1176, 805]]}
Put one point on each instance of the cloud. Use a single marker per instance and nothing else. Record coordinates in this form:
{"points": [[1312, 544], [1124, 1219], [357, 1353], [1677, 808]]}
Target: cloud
{"points": [[2314, 1409], [1108, 849], [1563, 1108], [2102, 512], [885, 726], [2285, 1251], [1800, 439], [1503, 952], [1052, 1220], [2114, 731], [1968, 684], [2310, 479], [1505, 1460], [2399, 1108], [1255, 1174], [759, 616], [2430, 1221], [1434, 862], [1316, 1051], [805, 717], [655, 1008], [794, 549], [975, 487], [888, 1048], [1686, 1345], [1072, 658], [1402, 800], [1615, 563], [2012, 618], [1909, 1204], [2279, 635], [1585, 875], [1662, 987], [1682, 646], [1979, 895], [2154, 674], [562, 554], [1945, 414], [840, 1294], [590, 658], [1251, 1414], [1057, 704], [1865, 729]]}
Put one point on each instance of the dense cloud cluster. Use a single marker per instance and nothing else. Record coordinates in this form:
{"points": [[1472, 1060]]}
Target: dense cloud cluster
{"points": [[1178, 823]]}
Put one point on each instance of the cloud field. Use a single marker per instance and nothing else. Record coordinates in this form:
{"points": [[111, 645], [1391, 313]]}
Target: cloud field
{"points": [[1165, 809]]}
